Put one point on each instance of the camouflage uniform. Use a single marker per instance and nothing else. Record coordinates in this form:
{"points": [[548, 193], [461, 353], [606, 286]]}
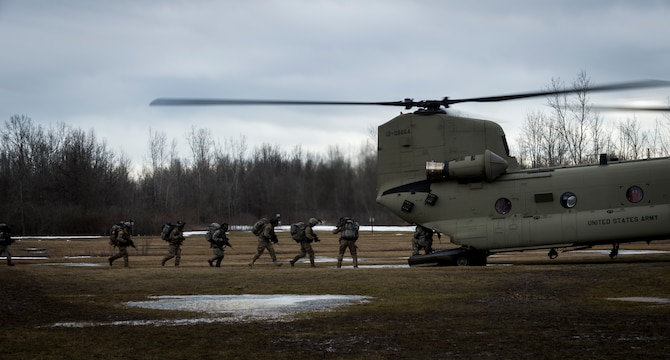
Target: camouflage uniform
{"points": [[218, 243], [422, 240], [5, 241], [344, 244], [121, 241], [176, 239], [266, 240], [306, 244]]}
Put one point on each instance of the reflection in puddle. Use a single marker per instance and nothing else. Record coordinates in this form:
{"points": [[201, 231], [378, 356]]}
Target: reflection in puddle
{"points": [[73, 264], [237, 308], [248, 305], [348, 262], [643, 299]]}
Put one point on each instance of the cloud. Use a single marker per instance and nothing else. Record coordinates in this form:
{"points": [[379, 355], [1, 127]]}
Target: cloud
{"points": [[98, 65]]}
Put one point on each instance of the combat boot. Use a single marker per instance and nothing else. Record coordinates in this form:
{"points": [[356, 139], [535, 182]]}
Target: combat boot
{"points": [[292, 262], [355, 261], [339, 263]]}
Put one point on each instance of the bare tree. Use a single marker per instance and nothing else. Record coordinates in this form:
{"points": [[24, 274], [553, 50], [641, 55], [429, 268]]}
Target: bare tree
{"points": [[632, 139], [571, 134]]}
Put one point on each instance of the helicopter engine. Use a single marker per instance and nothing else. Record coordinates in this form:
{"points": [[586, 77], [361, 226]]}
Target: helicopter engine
{"points": [[488, 166]]}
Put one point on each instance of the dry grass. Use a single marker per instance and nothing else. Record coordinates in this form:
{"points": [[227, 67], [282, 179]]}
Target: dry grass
{"points": [[536, 308]]}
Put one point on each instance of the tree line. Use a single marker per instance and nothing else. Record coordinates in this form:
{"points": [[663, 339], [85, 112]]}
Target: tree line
{"points": [[62, 180], [573, 132]]}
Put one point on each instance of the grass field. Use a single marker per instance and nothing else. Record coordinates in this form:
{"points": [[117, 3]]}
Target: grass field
{"points": [[522, 305]]}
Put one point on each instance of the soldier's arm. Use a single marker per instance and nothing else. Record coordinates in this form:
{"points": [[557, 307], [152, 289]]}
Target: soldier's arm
{"points": [[268, 232]]}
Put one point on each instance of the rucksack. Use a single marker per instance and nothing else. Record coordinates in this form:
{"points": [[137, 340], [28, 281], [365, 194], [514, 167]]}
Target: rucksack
{"points": [[257, 229], [298, 231], [350, 231], [113, 234], [213, 227], [166, 230]]}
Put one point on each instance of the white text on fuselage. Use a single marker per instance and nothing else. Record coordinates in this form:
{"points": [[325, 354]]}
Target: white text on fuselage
{"points": [[623, 220], [398, 132]]}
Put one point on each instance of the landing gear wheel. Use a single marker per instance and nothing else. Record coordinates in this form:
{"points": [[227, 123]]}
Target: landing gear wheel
{"points": [[463, 261]]}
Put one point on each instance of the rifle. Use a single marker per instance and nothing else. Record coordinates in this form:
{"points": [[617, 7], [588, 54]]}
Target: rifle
{"points": [[227, 243]]}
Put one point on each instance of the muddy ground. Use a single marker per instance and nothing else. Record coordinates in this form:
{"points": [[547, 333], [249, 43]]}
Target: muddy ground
{"points": [[581, 305]]}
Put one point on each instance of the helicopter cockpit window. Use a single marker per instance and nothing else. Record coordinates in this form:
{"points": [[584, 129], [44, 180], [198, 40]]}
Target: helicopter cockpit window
{"points": [[503, 206], [568, 200], [634, 194]]}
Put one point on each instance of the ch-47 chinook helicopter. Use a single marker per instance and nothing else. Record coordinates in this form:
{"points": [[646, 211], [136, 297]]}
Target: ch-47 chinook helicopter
{"points": [[455, 175]]}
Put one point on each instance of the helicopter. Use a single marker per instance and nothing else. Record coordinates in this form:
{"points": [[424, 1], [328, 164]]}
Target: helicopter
{"points": [[455, 175]]}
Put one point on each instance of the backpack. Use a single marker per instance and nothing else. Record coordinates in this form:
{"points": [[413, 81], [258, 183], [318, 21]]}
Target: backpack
{"points": [[298, 231], [213, 227], [113, 234], [350, 230], [166, 230], [5, 236], [257, 229]]}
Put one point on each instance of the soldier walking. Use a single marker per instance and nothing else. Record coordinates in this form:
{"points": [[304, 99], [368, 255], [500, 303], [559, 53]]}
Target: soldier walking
{"points": [[348, 230], [266, 239], [120, 238], [218, 241], [5, 241], [175, 239], [305, 240]]}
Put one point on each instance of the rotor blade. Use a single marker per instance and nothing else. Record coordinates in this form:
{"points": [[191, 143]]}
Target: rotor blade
{"points": [[611, 87], [631, 108], [201, 102], [409, 103]]}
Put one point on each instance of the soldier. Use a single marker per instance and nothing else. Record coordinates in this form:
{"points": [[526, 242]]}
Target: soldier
{"points": [[422, 240], [175, 239], [5, 241], [306, 243], [348, 229], [120, 238], [218, 241], [266, 239]]}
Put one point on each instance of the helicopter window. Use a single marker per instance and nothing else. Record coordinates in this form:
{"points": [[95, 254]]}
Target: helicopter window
{"points": [[634, 194], [568, 200], [503, 206]]}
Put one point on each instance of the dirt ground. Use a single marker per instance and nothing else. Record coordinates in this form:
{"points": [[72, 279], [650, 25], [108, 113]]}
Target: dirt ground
{"points": [[580, 305]]}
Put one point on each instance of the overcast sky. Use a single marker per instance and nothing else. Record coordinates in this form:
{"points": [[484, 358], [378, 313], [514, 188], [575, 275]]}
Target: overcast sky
{"points": [[98, 64]]}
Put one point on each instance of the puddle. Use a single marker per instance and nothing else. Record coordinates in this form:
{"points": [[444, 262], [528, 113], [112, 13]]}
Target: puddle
{"points": [[74, 264], [348, 262], [643, 299], [235, 308]]}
